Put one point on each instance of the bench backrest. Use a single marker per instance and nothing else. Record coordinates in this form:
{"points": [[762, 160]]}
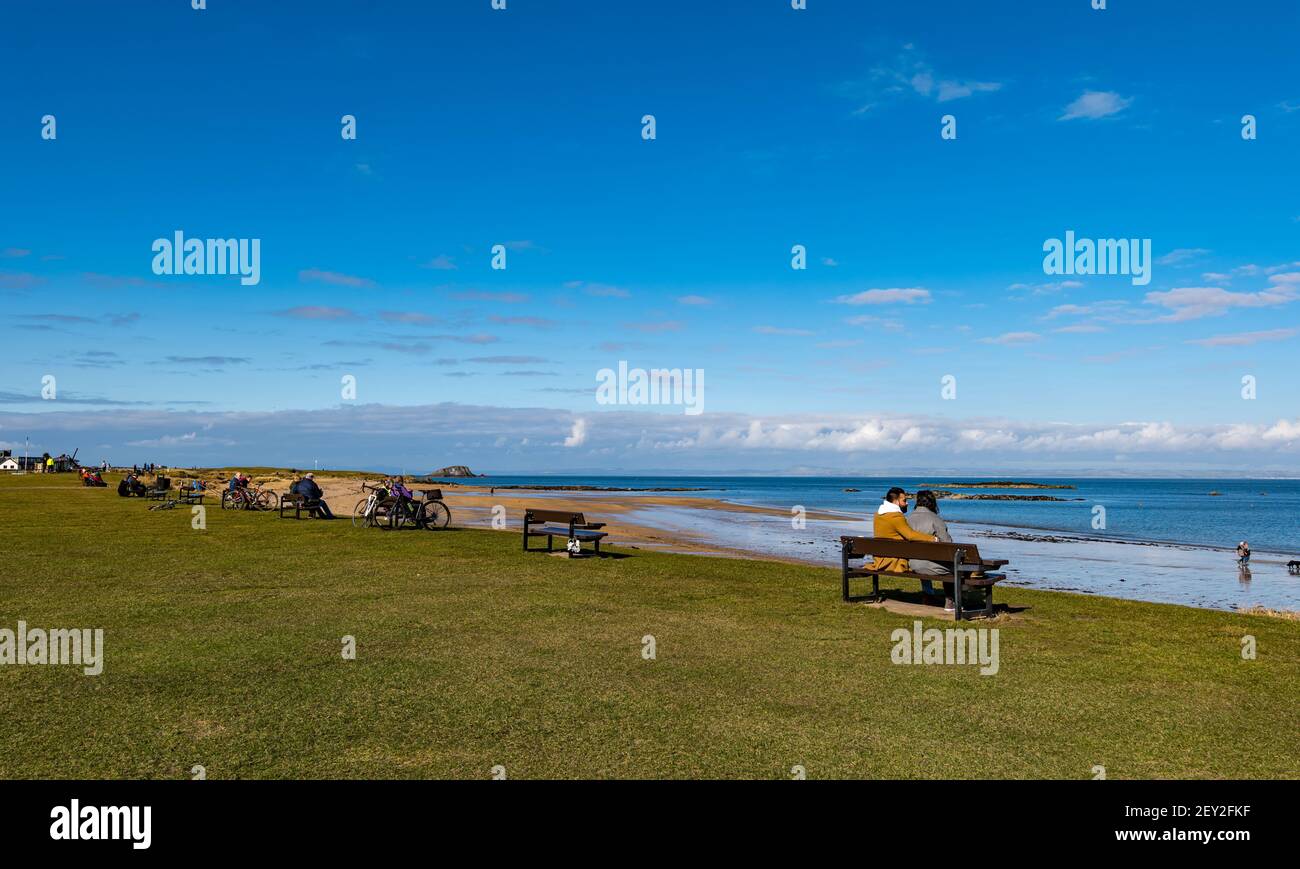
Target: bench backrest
{"points": [[533, 517], [881, 547]]}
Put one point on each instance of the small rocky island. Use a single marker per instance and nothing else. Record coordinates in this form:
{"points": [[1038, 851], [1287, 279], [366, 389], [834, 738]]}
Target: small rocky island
{"points": [[452, 471], [1005, 484]]}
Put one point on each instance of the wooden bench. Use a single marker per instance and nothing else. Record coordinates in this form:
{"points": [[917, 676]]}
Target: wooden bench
{"points": [[969, 570], [558, 523], [299, 503], [190, 495], [161, 486]]}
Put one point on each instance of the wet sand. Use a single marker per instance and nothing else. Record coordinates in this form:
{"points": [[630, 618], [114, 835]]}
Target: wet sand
{"points": [[1199, 576], [1084, 564]]}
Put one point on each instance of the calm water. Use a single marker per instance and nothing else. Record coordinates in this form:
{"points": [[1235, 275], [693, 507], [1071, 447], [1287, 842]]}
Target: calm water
{"points": [[1264, 512]]}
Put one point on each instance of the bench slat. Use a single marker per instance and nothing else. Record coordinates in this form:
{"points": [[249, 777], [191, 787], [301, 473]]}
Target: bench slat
{"points": [[580, 533]]}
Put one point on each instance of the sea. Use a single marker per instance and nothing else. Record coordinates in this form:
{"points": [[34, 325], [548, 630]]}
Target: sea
{"points": [[1161, 540], [1221, 513]]}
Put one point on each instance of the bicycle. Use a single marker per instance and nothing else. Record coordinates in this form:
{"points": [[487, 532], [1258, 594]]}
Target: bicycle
{"points": [[427, 512], [169, 504], [251, 498], [373, 510]]}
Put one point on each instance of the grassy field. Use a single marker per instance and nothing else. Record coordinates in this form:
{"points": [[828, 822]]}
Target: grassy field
{"points": [[222, 648]]}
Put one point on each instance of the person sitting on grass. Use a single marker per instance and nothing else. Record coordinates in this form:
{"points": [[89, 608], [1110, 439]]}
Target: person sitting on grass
{"points": [[890, 523], [315, 497], [405, 497]]}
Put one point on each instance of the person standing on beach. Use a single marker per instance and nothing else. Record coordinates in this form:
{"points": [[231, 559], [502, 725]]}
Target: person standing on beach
{"points": [[1243, 554]]}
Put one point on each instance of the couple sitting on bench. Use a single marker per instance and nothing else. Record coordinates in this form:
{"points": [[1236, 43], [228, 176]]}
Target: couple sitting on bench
{"points": [[924, 525], [309, 495]]}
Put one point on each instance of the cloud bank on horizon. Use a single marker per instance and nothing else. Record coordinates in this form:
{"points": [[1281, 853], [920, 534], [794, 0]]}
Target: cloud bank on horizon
{"points": [[541, 440], [837, 226]]}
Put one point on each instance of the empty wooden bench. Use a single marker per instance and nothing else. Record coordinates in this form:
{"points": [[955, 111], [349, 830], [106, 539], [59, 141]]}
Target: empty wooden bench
{"points": [[559, 523], [969, 570], [162, 485]]}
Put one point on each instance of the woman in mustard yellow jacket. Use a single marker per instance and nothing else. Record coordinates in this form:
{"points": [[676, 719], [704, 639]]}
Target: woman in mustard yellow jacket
{"points": [[889, 522]]}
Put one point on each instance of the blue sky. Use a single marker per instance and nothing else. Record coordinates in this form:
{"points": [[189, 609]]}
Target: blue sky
{"points": [[775, 127]]}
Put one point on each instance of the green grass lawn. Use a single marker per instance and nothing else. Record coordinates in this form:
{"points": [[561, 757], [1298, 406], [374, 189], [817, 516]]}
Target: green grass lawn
{"points": [[222, 648]]}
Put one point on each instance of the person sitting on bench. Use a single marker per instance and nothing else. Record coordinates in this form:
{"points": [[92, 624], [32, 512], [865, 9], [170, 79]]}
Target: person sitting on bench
{"points": [[925, 519], [891, 524], [308, 489]]}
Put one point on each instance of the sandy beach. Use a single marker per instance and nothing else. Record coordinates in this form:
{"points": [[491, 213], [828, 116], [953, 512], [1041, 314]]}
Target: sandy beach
{"points": [[697, 524]]}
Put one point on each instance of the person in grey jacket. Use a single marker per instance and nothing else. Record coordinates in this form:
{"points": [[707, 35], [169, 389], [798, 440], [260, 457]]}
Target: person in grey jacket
{"points": [[926, 519]]}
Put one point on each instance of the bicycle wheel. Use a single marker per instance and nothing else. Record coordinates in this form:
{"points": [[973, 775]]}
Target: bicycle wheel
{"points": [[436, 515], [267, 500], [227, 502], [359, 517], [384, 514], [406, 514]]}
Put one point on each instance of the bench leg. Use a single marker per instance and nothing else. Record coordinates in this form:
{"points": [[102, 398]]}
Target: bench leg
{"points": [[598, 546], [875, 587], [958, 614], [988, 602], [550, 543]]}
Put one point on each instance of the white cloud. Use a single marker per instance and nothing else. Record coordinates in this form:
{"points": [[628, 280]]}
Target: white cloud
{"points": [[1193, 303], [1245, 339], [1096, 104], [577, 435], [442, 262], [906, 74], [360, 435], [889, 325], [337, 278], [889, 296], [952, 90], [781, 330], [1181, 255], [1081, 329], [1008, 339]]}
